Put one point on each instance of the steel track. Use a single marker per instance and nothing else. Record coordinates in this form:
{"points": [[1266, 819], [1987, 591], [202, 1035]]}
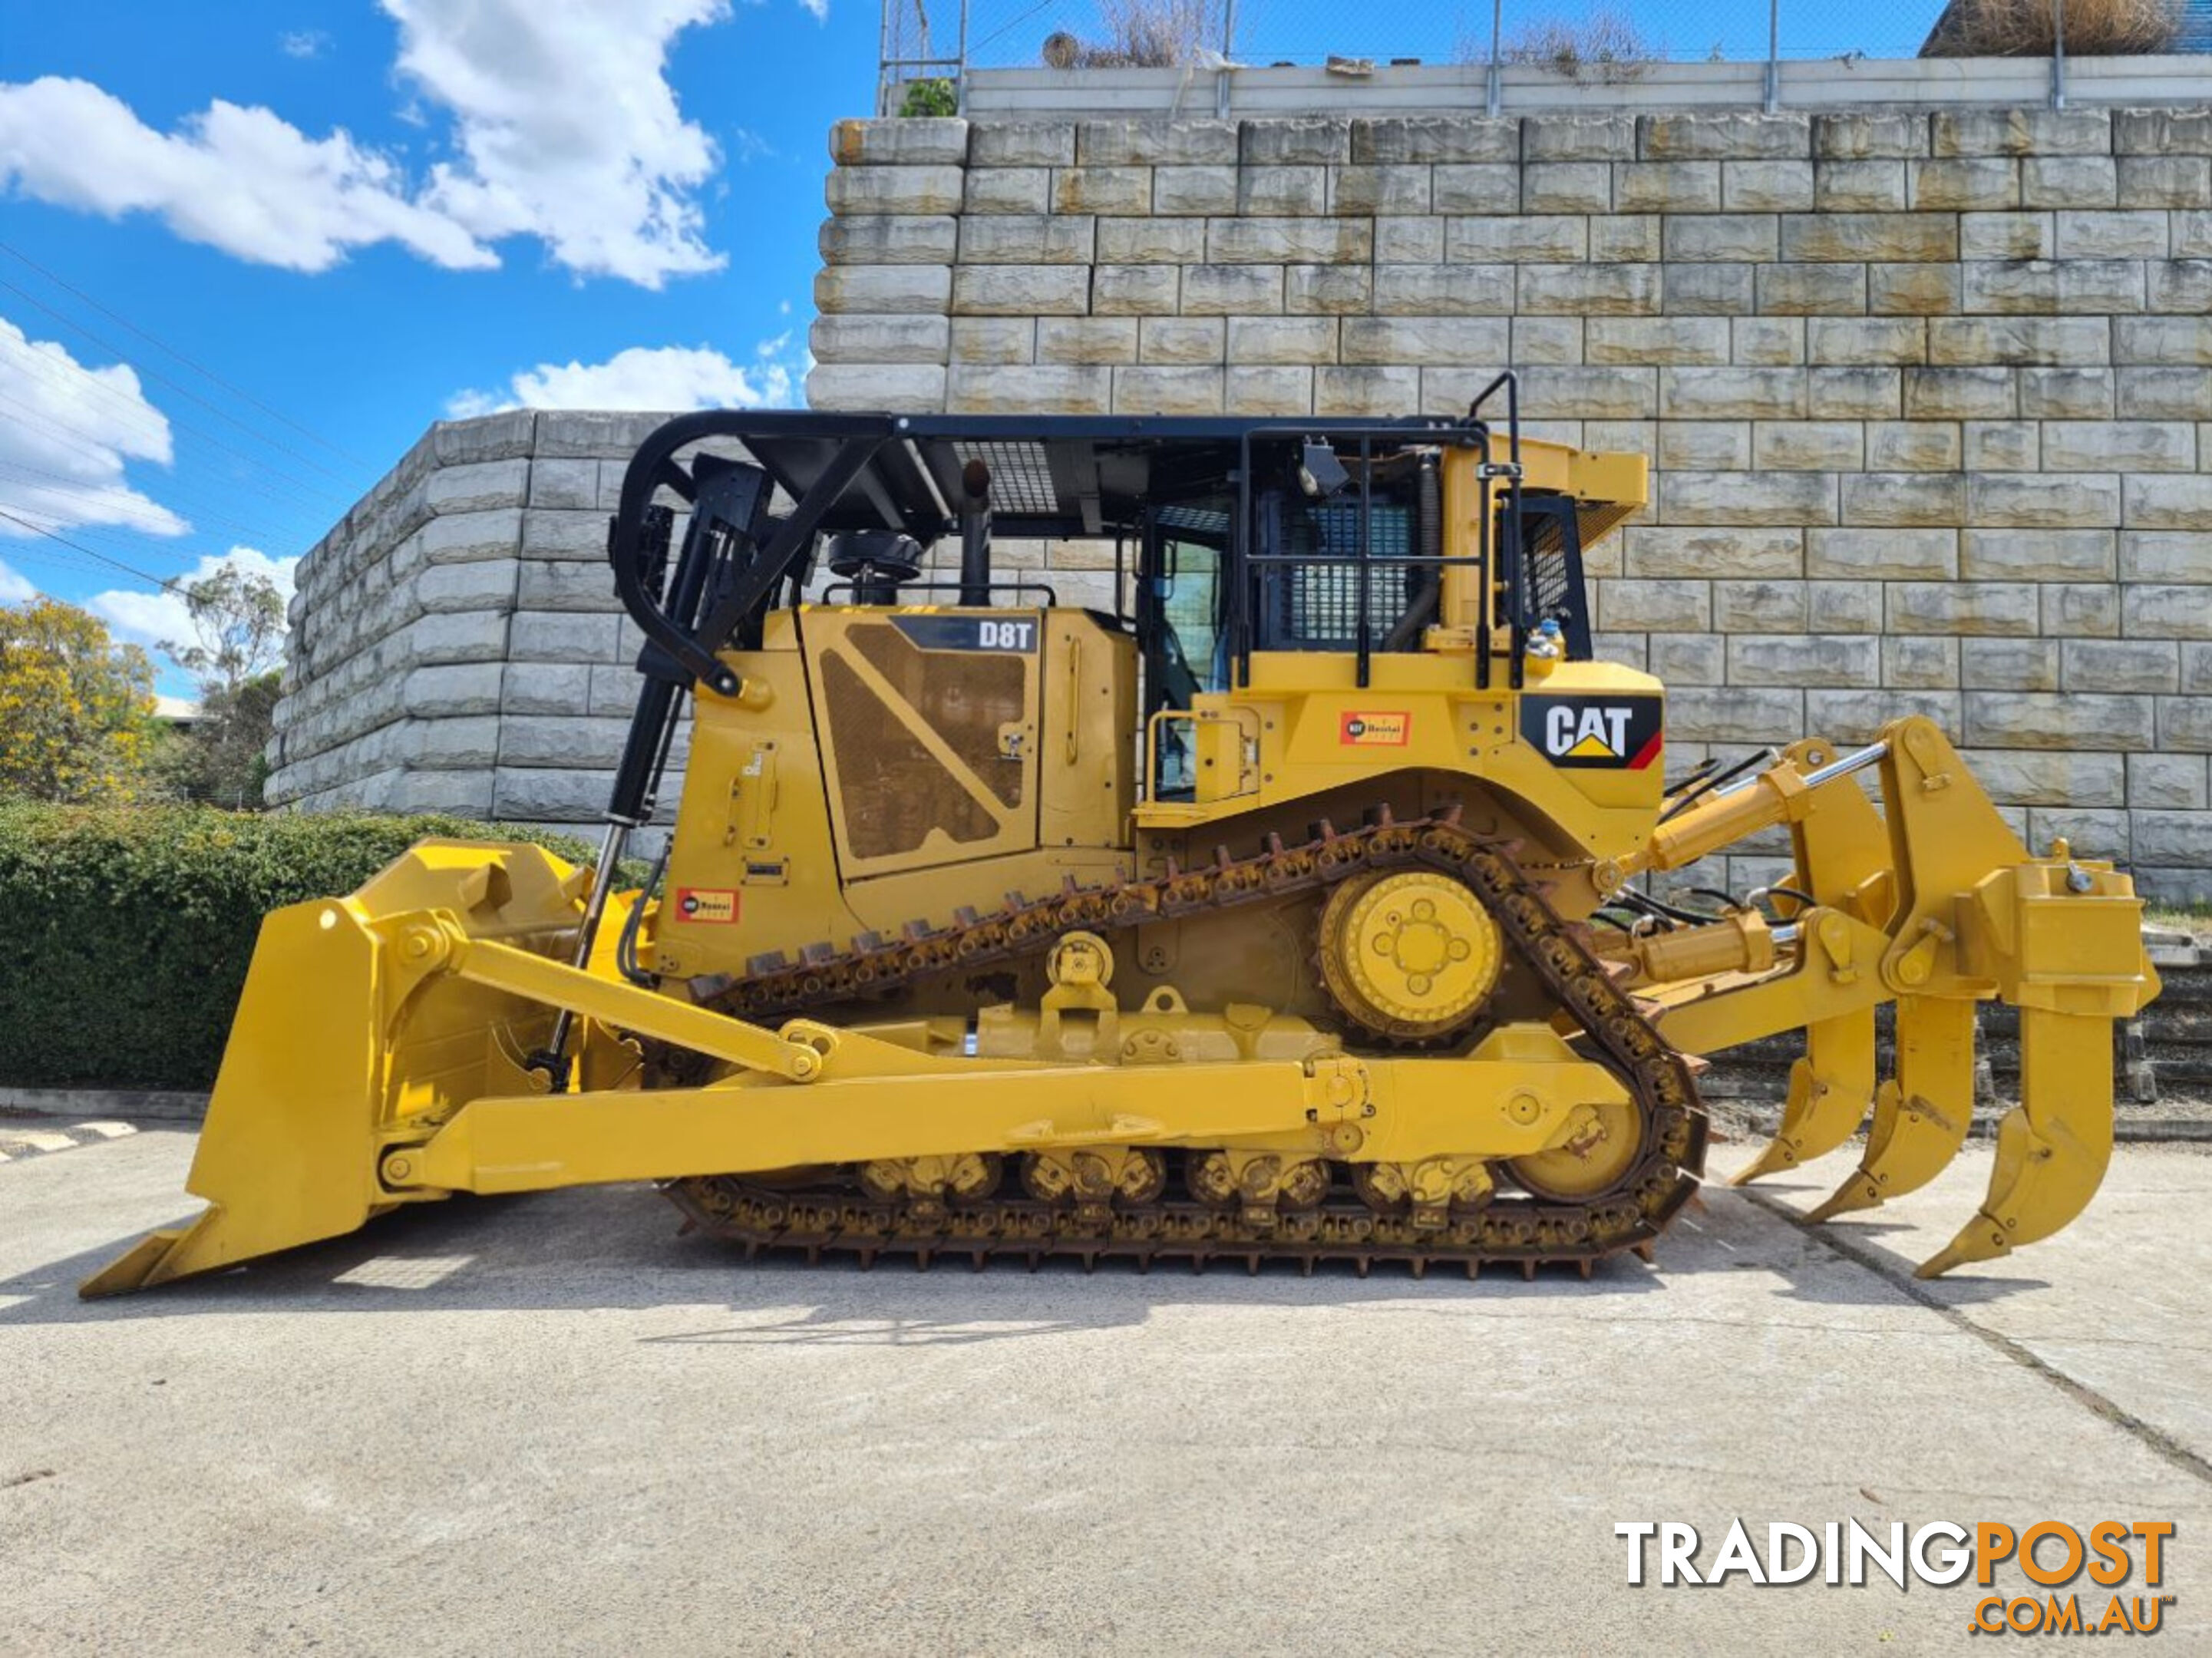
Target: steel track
{"points": [[1515, 1228]]}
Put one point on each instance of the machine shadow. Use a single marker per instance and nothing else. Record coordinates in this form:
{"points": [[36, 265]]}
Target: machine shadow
{"points": [[1886, 1273], [618, 1247]]}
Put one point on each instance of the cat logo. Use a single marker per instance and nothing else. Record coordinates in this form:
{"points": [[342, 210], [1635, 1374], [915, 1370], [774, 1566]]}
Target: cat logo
{"points": [[1619, 733]]}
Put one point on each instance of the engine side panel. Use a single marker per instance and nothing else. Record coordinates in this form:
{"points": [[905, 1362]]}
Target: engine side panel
{"points": [[903, 765]]}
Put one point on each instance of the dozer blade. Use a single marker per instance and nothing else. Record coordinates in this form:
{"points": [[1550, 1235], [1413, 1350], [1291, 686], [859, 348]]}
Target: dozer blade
{"points": [[330, 1050], [1920, 1115], [1829, 1091], [287, 1152], [2052, 1148]]}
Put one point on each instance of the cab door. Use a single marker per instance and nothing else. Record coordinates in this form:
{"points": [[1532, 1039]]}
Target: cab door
{"points": [[1186, 652]]}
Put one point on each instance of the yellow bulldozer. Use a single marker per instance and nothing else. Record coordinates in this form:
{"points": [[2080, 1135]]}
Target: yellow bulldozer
{"points": [[1304, 903]]}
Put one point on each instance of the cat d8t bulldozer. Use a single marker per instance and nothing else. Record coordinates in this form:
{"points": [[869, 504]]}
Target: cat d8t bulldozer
{"points": [[1300, 898]]}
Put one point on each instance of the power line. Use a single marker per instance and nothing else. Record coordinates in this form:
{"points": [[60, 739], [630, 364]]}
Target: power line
{"points": [[119, 508], [125, 542], [159, 377], [1041, 5], [167, 584], [61, 556], [129, 544], [302, 497], [153, 340], [17, 551], [45, 420], [62, 483], [137, 410], [181, 584], [18, 554]]}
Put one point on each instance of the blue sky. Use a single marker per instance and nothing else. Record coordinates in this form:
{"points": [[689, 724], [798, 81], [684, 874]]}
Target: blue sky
{"points": [[405, 205], [249, 249], [1008, 31]]}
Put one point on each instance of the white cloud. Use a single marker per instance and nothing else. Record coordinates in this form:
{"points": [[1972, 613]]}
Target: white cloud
{"points": [[15, 587], [673, 378], [567, 127], [302, 43], [155, 618], [819, 9], [560, 122], [67, 432], [238, 180], [751, 146]]}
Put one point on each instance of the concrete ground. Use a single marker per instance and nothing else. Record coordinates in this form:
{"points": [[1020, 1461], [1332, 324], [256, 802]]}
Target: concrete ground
{"points": [[549, 1424]]}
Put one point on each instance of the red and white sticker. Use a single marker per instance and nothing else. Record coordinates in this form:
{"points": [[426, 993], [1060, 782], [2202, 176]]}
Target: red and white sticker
{"points": [[707, 904], [1375, 729]]}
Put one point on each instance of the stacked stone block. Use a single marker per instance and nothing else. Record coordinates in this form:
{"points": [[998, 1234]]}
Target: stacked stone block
{"points": [[1928, 394], [456, 642]]}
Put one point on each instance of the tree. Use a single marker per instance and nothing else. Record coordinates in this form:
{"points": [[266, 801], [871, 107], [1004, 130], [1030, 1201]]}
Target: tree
{"points": [[2031, 28], [76, 709], [222, 761], [1603, 46], [238, 628]]}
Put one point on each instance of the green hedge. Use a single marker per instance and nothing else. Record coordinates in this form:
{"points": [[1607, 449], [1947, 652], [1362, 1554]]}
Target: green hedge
{"points": [[124, 933]]}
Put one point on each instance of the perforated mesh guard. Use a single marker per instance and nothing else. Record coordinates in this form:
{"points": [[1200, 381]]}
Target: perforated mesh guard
{"points": [[1316, 606], [1551, 588], [1594, 518], [1021, 477], [965, 696], [893, 791], [1200, 520]]}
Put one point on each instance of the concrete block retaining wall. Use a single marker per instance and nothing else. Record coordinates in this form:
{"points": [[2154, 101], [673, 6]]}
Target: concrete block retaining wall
{"points": [[456, 641], [1929, 392]]}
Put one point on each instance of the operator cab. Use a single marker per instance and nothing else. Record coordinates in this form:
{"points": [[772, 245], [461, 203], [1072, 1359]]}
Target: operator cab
{"points": [[1226, 538]]}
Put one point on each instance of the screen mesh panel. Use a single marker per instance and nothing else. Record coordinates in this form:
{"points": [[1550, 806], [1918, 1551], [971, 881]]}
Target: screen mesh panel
{"points": [[1552, 590], [964, 696], [1021, 477], [893, 791], [1316, 606]]}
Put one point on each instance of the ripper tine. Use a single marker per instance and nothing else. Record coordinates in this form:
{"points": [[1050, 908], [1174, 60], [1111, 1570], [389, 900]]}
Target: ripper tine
{"points": [[2052, 1147], [1921, 1117], [1830, 1089]]}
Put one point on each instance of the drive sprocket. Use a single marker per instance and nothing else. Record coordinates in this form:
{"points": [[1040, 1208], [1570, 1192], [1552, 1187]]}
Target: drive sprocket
{"points": [[1408, 955]]}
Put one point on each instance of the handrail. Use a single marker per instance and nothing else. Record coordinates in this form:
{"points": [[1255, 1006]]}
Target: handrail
{"points": [[1513, 559]]}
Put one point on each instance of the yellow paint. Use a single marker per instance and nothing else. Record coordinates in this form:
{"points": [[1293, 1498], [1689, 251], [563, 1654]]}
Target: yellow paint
{"points": [[381, 1052]]}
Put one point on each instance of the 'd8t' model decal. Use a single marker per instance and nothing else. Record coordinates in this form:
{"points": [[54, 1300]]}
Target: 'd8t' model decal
{"points": [[1622, 733], [1016, 632]]}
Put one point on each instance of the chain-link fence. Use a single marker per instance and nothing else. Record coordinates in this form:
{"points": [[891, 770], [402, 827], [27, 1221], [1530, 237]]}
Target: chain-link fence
{"points": [[929, 43]]}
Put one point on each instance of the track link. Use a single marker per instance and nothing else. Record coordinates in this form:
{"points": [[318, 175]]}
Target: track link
{"points": [[1515, 1228]]}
